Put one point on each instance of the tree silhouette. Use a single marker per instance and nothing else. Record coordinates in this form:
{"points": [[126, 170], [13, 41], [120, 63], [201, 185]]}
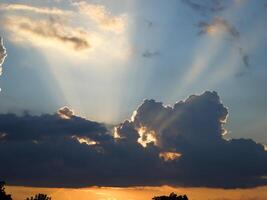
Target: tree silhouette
{"points": [[172, 196], [39, 197], [3, 195]]}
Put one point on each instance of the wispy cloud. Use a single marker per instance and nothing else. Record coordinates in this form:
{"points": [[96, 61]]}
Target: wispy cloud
{"points": [[150, 54], [205, 7], [40, 10], [102, 17], [63, 29], [47, 32], [218, 25]]}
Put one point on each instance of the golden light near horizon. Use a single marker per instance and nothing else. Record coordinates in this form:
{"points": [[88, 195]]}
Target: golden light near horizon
{"points": [[139, 193]]}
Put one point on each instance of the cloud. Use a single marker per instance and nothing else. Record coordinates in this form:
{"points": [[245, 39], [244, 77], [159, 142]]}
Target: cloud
{"points": [[65, 112], [68, 31], [102, 17], [47, 31], [218, 25], [3, 54], [194, 128], [150, 54], [39, 10], [245, 57], [205, 6], [181, 145]]}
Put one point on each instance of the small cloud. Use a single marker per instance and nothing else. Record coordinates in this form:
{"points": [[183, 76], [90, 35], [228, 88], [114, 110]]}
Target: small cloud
{"points": [[217, 26], [29, 8], [65, 112], [205, 7], [149, 23], [220, 26], [245, 58], [150, 54]]}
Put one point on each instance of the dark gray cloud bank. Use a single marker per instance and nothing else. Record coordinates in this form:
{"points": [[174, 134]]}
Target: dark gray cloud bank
{"points": [[65, 150]]}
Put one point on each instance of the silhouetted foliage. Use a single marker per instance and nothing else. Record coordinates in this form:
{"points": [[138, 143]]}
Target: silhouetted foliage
{"points": [[39, 197], [172, 196], [3, 195]]}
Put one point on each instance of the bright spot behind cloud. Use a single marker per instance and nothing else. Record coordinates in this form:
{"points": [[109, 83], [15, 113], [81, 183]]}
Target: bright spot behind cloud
{"points": [[65, 113], [146, 136], [169, 156]]}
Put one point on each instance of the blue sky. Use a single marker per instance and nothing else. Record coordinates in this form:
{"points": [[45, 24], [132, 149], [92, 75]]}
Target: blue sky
{"points": [[159, 54]]}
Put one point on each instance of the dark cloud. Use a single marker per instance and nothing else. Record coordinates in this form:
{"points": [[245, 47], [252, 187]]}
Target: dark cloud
{"points": [[149, 23], [181, 145], [245, 58], [205, 7], [49, 150], [194, 128], [3, 54], [48, 30], [150, 54], [46, 127]]}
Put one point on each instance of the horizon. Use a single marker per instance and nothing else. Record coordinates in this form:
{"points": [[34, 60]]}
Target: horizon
{"points": [[140, 193]]}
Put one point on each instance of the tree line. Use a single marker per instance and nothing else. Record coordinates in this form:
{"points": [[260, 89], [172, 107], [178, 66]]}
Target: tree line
{"points": [[5, 196]]}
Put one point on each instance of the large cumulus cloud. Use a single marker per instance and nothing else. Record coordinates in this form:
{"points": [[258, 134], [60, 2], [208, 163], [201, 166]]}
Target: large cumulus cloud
{"points": [[181, 145]]}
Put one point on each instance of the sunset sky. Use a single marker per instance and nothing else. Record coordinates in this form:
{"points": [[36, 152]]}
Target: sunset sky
{"points": [[134, 97]]}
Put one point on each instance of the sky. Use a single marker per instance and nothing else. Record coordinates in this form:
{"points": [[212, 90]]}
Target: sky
{"points": [[133, 93]]}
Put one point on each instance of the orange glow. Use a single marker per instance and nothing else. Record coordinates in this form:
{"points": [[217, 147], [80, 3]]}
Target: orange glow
{"points": [[84, 140], [169, 156], [212, 30], [139, 193]]}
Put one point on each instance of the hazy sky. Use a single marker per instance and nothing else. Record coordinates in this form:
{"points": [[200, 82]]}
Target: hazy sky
{"points": [[102, 58]]}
